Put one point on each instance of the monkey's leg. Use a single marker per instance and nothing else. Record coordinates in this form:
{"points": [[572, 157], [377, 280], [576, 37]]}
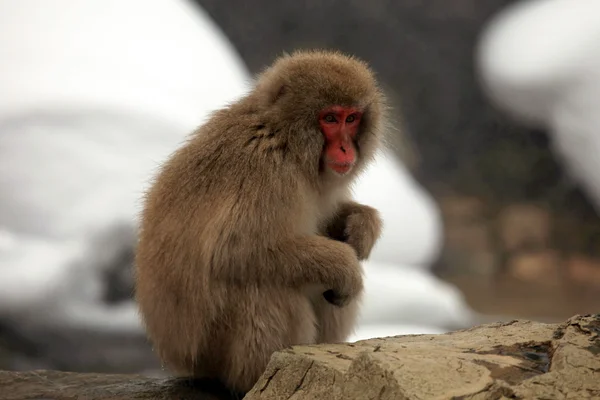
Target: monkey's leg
{"points": [[336, 324], [269, 320]]}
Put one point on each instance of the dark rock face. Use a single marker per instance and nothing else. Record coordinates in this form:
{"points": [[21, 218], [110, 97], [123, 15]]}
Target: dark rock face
{"points": [[46, 385], [74, 349], [27, 343], [422, 51]]}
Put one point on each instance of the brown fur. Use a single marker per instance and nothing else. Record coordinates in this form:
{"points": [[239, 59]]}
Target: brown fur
{"points": [[237, 236]]}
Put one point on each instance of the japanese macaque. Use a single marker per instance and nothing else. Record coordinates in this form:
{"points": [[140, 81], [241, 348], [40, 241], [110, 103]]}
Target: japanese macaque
{"points": [[249, 242]]}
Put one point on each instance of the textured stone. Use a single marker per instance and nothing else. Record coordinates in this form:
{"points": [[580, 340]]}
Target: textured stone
{"points": [[517, 360], [512, 360]]}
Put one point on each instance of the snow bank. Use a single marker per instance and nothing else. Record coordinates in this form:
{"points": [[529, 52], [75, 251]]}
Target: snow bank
{"points": [[412, 232], [94, 96], [539, 60]]}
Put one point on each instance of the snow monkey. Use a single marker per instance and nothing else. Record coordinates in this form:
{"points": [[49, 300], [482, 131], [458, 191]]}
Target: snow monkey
{"points": [[249, 241]]}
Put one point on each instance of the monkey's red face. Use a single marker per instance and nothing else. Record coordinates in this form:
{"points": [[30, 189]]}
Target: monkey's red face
{"points": [[340, 126]]}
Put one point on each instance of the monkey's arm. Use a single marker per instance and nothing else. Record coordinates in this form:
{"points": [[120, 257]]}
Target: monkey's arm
{"points": [[358, 225], [298, 262]]}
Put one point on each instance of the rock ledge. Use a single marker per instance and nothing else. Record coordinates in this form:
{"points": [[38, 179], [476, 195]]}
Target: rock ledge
{"points": [[513, 360]]}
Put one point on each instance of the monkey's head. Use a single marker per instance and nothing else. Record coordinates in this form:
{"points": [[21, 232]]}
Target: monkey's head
{"points": [[328, 107]]}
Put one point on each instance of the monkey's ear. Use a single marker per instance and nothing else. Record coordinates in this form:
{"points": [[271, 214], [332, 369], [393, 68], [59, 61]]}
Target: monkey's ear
{"points": [[279, 93], [272, 85], [272, 92]]}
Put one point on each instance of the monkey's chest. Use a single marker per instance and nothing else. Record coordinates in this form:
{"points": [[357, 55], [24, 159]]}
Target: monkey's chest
{"points": [[327, 209]]}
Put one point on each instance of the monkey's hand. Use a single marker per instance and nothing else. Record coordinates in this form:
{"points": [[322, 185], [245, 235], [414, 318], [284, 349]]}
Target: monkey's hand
{"points": [[311, 261], [348, 280], [358, 225], [336, 298]]}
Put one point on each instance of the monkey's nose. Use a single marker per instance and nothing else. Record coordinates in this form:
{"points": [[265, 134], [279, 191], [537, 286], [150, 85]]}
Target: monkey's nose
{"points": [[343, 149]]}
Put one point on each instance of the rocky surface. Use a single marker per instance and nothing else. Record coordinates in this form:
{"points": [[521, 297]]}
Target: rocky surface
{"points": [[55, 385], [514, 360]]}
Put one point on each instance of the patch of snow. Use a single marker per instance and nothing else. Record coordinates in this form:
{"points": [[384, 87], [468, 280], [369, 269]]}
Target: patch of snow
{"points": [[395, 294], [165, 57], [56, 283], [33, 270], [539, 60], [364, 332], [95, 95], [74, 172], [412, 231]]}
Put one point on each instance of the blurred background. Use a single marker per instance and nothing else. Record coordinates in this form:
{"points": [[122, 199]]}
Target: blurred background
{"points": [[488, 187]]}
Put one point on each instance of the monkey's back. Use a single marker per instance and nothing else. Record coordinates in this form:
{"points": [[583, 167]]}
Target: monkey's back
{"points": [[214, 203]]}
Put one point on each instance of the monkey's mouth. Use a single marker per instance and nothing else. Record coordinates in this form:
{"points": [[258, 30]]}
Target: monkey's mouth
{"points": [[340, 168]]}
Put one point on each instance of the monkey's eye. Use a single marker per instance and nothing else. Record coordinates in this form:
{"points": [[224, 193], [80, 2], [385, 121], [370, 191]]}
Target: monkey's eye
{"points": [[330, 118], [350, 118]]}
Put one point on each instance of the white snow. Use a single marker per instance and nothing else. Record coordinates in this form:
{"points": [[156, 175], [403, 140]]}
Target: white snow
{"points": [[412, 232], [365, 332], [94, 96], [33, 270], [396, 293], [163, 57], [539, 60]]}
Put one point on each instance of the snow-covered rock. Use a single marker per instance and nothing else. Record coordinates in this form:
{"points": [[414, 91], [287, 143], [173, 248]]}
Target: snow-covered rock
{"points": [[33, 270], [164, 58], [539, 60], [94, 96]]}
